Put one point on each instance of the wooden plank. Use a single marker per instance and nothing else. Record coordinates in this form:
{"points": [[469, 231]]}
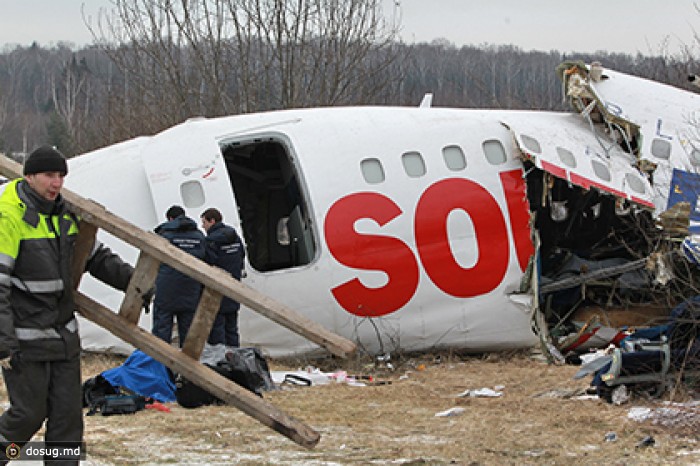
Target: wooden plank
{"points": [[83, 248], [142, 280], [191, 369], [123, 327], [202, 322], [221, 281], [212, 277]]}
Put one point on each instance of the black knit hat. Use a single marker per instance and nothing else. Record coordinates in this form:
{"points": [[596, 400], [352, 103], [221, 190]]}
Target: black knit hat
{"points": [[45, 159], [174, 212]]}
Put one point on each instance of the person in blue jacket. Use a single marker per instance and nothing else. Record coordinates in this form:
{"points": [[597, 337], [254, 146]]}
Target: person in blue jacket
{"points": [[226, 251], [177, 295]]}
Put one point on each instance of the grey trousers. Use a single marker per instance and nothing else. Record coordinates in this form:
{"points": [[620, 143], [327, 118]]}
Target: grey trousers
{"points": [[44, 390]]}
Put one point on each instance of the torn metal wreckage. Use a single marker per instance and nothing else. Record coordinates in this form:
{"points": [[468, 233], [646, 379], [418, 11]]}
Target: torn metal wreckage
{"points": [[611, 263]]}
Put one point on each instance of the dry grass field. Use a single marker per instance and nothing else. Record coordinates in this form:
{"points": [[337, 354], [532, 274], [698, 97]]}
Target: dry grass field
{"points": [[535, 421]]}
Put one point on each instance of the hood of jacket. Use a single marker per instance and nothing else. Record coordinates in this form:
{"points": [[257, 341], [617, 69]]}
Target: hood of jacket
{"points": [[181, 223]]}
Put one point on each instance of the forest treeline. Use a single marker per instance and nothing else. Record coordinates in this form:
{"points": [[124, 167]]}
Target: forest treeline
{"points": [[82, 99]]}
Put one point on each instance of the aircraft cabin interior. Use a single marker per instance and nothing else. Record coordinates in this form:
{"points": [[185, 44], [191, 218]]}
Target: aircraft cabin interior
{"points": [[274, 215]]}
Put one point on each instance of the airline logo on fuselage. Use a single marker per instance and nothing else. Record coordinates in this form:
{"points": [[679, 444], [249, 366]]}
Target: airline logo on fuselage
{"points": [[401, 263]]}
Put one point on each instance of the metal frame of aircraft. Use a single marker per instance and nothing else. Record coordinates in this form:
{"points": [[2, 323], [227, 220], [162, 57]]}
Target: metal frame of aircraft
{"points": [[415, 228]]}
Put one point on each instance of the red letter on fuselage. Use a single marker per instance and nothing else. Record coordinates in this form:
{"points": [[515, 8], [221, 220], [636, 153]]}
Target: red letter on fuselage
{"points": [[519, 212], [370, 252], [432, 239]]}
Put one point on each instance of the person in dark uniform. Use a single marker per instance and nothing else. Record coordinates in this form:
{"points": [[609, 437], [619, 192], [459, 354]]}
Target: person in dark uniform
{"points": [[177, 295], [39, 339], [226, 251]]}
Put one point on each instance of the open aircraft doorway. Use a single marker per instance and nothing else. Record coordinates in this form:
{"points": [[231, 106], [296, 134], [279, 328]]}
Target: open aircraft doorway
{"points": [[274, 215]]}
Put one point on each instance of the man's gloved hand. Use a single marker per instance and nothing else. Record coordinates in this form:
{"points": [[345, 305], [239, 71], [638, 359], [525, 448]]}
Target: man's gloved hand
{"points": [[147, 298]]}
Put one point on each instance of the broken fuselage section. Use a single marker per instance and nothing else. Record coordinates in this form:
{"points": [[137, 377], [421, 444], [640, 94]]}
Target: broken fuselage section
{"points": [[610, 209]]}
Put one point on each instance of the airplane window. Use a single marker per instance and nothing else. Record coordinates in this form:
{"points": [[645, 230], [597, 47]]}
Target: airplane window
{"points": [[531, 144], [601, 170], [494, 151], [192, 194], [695, 157], [635, 183], [566, 157], [413, 164], [454, 158], [661, 148], [283, 231], [372, 171]]}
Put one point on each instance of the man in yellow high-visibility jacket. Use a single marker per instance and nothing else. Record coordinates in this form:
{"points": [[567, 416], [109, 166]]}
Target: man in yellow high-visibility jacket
{"points": [[39, 340]]}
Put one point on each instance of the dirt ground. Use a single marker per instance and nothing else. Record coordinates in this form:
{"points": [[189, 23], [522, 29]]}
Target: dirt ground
{"points": [[535, 421]]}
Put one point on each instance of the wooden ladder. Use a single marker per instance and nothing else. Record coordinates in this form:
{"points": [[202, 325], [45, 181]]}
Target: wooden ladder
{"points": [[217, 283]]}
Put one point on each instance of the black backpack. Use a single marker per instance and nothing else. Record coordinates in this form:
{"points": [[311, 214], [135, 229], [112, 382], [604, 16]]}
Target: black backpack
{"points": [[101, 397], [95, 389], [245, 366]]}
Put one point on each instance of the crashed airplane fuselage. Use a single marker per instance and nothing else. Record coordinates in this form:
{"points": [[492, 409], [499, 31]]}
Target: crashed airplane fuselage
{"points": [[405, 228]]}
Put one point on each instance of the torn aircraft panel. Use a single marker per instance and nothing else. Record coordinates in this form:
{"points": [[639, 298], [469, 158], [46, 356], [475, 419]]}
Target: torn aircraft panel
{"points": [[610, 204]]}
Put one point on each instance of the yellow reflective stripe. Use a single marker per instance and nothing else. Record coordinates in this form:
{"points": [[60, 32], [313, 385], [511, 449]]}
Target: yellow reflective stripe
{"points": [[73, 230], [10, 203], [9, 233]]}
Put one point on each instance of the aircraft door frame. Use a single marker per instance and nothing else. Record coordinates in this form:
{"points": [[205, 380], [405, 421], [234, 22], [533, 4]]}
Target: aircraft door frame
{"points": [[190, 172], [275, 212]]}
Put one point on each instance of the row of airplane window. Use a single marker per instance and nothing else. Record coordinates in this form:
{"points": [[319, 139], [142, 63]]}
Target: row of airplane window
{"points": [[414, 164], [661, 149], [494, 152], [601, 170]]}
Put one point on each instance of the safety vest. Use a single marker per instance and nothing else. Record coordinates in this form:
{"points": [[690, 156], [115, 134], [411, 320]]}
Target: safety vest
{"points": [[36, 286]]}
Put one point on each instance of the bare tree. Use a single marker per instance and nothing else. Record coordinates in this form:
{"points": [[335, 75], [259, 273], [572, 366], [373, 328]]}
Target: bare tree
{"points": [[4, 103], [71, 100], [27, 93], [181, 58], [158, 62]]}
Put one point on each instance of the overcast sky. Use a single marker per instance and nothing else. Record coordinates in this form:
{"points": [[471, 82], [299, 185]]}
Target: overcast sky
{"points": [[628, 26]]}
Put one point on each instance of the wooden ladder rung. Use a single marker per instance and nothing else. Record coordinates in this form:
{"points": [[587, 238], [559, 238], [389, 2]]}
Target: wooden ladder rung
{"points": [[201, 375], [204, 317], [142, 280], [83, 248]]}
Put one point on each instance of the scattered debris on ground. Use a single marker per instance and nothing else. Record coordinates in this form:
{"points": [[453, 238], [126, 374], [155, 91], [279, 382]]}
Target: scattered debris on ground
{"points": [[396, 422]]}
